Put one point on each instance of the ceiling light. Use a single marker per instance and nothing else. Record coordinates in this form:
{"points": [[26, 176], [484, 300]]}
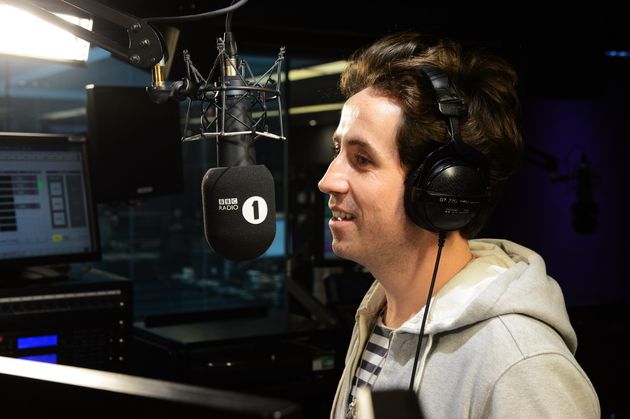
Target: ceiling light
{"points": [[319, 70], [25, 35]]}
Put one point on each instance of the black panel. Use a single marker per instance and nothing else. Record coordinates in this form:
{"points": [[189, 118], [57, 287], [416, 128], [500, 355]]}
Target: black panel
{"points": [[134, 144]]}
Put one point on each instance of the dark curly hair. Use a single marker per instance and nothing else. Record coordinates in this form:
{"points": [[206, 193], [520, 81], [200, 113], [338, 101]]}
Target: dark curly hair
{"points": [[486, 83]]}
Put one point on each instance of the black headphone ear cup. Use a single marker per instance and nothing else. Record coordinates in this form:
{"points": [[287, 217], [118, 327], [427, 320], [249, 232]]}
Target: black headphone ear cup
{"points": [[446, 192]]}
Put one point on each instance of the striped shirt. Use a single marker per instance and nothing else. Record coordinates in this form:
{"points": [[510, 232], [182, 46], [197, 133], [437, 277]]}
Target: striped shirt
{"points": [[373, 357]]}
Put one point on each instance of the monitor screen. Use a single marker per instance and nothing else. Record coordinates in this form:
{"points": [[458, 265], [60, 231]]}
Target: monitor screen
{"points": [[327, 250], [324, 254], [277, 248], [46, 211]]}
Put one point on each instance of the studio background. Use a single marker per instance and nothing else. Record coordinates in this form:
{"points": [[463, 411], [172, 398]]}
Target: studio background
{"points": [[574, 85]]}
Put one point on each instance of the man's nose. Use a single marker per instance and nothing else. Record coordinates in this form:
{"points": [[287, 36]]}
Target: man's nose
{"points": [[334, 180]]}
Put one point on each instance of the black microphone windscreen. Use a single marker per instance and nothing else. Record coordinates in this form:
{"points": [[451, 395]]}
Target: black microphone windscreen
{"points": [[239, 210]]}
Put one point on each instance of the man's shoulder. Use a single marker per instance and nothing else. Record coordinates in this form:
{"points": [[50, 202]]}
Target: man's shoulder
{"points": [[503, 340]]}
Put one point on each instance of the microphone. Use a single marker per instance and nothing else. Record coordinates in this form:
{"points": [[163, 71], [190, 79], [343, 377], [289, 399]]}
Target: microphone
{"points": [[378, 404], [584, 210], [239, 210], [237, 105], [238, 196], [238, 200]]}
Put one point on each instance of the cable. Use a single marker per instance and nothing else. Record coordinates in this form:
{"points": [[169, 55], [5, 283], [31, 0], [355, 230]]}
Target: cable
{"points": [[441, 240], [200, 16], [228, 20], [230, 44]]}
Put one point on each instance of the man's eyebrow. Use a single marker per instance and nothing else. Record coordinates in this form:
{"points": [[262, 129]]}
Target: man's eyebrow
{"points": [[361, 143], [353, 141], [357, 142]]}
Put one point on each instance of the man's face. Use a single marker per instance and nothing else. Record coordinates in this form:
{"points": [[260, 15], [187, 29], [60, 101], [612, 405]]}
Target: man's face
{"points": [[366, 181]]}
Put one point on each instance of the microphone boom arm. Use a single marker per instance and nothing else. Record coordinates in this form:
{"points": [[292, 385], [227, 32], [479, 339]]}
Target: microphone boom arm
{"points": [[145, 47]]}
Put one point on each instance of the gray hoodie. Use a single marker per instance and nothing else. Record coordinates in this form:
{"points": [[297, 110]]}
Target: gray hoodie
{"points": [[498, 344]]}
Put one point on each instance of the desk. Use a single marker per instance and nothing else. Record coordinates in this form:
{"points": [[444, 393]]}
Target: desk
{"points": [[278, 355]]}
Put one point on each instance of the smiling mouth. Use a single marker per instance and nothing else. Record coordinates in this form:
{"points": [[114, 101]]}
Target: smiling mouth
{"points": [[342, 216]]}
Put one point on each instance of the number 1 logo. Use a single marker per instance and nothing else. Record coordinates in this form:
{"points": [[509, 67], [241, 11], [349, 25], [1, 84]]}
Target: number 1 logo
{"points": [[255, 210]]}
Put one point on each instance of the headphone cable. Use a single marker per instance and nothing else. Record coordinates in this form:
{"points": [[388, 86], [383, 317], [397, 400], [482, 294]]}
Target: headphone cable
{"points": [[441, 240]]}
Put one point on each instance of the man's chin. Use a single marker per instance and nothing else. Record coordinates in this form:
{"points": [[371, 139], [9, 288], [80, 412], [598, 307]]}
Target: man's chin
{"points": [[344, 252]]}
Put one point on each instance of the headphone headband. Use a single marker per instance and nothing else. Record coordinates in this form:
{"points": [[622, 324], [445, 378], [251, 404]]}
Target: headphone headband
{"points": [[449, 102], [447, 97]]}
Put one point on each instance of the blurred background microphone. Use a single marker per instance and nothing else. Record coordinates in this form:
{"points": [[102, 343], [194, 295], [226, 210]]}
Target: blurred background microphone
{"points": [[584, 210]]}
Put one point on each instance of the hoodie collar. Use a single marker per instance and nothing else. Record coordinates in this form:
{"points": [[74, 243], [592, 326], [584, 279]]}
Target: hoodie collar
{"points": [[503, 278]]}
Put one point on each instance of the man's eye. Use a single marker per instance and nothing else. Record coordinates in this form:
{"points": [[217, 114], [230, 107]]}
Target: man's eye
{"points": [[362, 160], [335, 149]]}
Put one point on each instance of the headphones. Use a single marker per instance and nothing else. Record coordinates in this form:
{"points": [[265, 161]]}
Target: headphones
{"points": [[450, 187]]}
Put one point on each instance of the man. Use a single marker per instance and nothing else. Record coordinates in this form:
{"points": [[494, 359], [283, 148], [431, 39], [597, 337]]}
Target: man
{"points": [[497, 341]]}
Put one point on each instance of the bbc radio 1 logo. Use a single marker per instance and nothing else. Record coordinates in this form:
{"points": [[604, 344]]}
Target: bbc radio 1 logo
{"points": [[228, 204], [254, 208]]}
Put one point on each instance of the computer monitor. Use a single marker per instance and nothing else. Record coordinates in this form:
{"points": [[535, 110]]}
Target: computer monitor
{"points": [[46, 212], [327, 250], [36, 390], [277, 248], [324, 254]]}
